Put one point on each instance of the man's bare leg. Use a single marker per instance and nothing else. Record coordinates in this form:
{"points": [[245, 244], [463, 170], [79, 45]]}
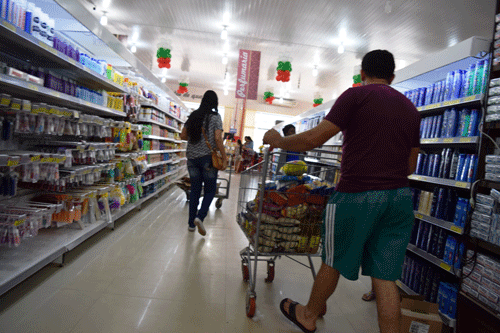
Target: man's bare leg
{"points": [[388, 305]]}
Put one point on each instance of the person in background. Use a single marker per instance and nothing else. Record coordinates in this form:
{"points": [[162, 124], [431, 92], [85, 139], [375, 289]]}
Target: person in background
{"points": [[200, 168], [248, 143], [238, 151], [369, 219], [291, 155]]}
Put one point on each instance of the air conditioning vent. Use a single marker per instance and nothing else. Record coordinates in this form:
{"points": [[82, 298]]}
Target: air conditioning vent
{"points": [[287, 103]]}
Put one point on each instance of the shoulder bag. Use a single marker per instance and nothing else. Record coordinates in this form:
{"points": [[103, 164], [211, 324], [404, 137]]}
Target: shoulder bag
{"points": [[217, 160]]}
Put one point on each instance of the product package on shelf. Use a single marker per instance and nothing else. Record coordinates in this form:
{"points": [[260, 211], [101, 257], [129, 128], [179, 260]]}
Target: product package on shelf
{"points": [[482, 280], [449, 164], [459, 83], [485, 223], [422, 277], [451, 124]]}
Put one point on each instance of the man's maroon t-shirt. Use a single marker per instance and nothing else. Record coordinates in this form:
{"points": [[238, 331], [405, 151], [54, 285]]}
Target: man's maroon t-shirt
{"points": [[380, 126]]}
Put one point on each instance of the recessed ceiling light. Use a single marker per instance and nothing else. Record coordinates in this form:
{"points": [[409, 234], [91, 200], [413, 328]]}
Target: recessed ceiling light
{"points": [[225, 17], [133, 49], [104, 19], [225, 60], [163, 79], [343, 33], [315, 71], [223, 34], [225, 48], [226, 92], [341, 48], [164, 71]]}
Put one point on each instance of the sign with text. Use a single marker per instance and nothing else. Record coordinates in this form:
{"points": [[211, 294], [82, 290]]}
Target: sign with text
{"points": [[247, 81]]}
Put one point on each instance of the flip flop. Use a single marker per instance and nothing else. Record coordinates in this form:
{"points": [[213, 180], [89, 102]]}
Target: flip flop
{"points": [[292, 316], [369, 296]]}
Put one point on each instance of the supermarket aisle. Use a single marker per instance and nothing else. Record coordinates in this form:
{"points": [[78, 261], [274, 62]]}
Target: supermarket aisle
{"points": [[152, 275]]}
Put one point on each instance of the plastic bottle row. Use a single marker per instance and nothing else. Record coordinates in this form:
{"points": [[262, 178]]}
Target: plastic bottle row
{"points": [[450, 164], [443, 204], [451, 124], [459, 83]]}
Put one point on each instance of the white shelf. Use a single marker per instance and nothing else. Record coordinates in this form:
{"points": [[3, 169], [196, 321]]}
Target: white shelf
{"points": [[53, 97], [151, 181], [162, 110], [147, 152], [44, 52], [160, 124], [154, 137], [160, 163]]}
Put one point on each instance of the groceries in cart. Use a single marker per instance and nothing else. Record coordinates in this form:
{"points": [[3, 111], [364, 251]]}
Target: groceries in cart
{"points": [[291, 214]]}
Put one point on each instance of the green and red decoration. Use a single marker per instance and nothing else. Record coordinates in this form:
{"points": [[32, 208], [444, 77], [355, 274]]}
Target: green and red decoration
{"points": [[284, 68], [269, 97], [317, 101], [183, 88], [357, 80], [163, 57]]}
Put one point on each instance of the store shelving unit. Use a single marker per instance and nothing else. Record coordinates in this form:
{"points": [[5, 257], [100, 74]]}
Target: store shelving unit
{"points": [[160, 124], [159, 108], [51, 245], [161, 138], [422, 74]]}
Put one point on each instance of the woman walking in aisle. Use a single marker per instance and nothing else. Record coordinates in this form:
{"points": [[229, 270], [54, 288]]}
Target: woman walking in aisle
{"points": [[237, 156], [203, 128]]}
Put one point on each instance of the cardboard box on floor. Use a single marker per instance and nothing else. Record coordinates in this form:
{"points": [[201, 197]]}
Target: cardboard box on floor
{"points": [[418, 316]]}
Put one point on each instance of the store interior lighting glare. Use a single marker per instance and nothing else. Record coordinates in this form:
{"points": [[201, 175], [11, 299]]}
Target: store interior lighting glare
{"points": [[281, 100], [341, 48], [225, 48], [223, 34], [225, 17], [133, 49], [104, 19], [163, 79], [226, 92], [225, 60], [315, 71]]}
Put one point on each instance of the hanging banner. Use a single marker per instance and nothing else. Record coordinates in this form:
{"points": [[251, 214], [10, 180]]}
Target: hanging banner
{"points": [[247, 81]]}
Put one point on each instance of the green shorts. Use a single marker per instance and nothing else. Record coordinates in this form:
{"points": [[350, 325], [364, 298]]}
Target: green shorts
{"points": [[368, 229]]}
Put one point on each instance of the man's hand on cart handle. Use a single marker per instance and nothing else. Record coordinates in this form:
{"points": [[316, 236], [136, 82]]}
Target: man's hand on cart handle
{"points": [[272, 138]]}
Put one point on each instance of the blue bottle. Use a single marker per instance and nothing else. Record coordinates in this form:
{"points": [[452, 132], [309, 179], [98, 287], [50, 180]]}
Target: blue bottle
{"points": [[460, 166], [453, 119], [449, 86], [433, 127], [436, 165], [443, 91], [465, 169], [437, 133], [445, 123], [471, 175], [474, 123], [428, 172], [457, 84]]}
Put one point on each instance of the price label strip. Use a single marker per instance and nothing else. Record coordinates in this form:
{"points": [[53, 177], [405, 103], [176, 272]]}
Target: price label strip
{"points": [[445, 266]]}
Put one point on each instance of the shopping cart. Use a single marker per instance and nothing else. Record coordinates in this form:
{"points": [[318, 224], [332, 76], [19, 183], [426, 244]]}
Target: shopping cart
{"points": [[281, 217], [223, 185]]}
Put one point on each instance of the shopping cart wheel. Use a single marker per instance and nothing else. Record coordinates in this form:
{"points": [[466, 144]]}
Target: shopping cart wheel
{"points": [[244, 270], [218, 203], [251, 305], [270, 271]]}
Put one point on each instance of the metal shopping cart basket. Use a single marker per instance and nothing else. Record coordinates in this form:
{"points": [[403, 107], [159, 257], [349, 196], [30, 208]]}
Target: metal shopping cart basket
{"points": [[223, 185], [281, 215]]}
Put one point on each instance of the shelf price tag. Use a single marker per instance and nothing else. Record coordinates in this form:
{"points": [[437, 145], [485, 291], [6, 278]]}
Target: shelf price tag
{"points": [[9, 26], [456, 229], [5, 101], [470, 98], [32, 87], [19, 222], [448, 140], [35, 158], [461, 184], [11, 163], [419, 216], [466, 140], [445, 266]]}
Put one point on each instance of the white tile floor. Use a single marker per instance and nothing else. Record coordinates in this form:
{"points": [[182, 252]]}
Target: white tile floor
{"points": [[151, 275]]}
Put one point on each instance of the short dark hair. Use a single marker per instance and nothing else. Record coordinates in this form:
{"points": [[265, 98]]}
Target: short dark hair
{"points": [[287, 128], [379, 64]]}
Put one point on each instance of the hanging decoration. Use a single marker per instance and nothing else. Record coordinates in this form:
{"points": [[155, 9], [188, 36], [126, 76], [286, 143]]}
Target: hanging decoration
{"points": [[317, 101], [163, 55], [284, 68], [357, 80], [182, 88], [269, 97]]}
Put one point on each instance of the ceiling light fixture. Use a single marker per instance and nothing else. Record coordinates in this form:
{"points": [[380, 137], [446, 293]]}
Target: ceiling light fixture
{"points": [[223, 34], [104, 19], [341, 48], [315, 71], [281, 100], [164, 71], [163, 79], [133, 49], [226, 92], [225, 59], [225, 48], [388, 6], [225, 17], [343, 33]]}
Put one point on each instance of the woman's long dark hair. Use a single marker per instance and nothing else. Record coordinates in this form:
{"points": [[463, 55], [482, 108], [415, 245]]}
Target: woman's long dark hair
{"points": [[208, 105]]}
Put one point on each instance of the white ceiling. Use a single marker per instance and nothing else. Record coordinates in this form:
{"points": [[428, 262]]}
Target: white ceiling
{"points": [[307, 30]]}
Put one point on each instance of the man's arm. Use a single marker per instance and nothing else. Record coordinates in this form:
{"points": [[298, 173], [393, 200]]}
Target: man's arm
{"points": [[184, 134], [304, 141], [412, 162]]}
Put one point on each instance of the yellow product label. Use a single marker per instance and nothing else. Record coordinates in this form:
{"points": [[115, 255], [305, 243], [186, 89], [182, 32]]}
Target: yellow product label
{"points": [[449, 140], [445, 266], [5, 101], [15, 106], [35, 158], [456, 229], [32, 87], [45, 160], [419, 216], [466, 140], [461, 184], [449, 103], [92, 195], [9, 26], [471, 98], [19, 222], [67, 114], [105, 195], [399, 284], [11, 163]]}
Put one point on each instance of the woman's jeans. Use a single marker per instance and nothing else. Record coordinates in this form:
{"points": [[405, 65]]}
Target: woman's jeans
{"points": [[201, 171]]}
